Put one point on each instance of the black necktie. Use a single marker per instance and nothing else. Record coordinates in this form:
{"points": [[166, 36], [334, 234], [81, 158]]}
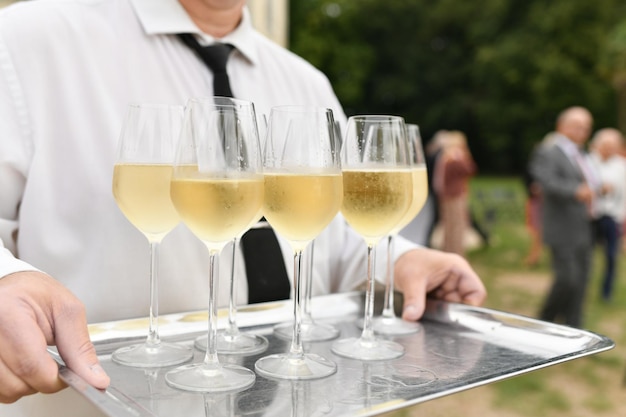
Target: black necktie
{"points": [[265, 268], [215, 57]]}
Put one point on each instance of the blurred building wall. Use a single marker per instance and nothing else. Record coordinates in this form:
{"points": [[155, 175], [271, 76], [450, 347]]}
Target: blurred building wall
{"points": [[271, 18]]}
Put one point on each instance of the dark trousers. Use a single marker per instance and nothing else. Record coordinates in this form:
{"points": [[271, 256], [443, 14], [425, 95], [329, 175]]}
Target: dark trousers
{"points": [[571, 267], [608, 232]]}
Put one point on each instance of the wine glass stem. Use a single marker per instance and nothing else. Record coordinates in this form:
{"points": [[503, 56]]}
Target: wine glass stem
{"points": [[210, 358], [232, 308], [153, 330], [306, 316], [368, 332], [388, 307], [296, 341]]}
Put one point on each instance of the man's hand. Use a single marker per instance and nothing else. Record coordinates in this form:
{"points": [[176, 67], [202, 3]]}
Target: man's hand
{"points": [[37, 311], [584, 194], [446, 276]]}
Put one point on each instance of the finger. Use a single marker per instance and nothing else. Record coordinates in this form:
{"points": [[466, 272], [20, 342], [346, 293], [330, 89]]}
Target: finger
{"points": [[452, 297], [450, 284], [12, 387], [25, 355], [472, 289], [76, 348], [463, 285], [475, 297]]}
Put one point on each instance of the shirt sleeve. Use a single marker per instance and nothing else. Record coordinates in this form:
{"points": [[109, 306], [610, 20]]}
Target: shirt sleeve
{"points": [[14, 156], [351, 250]]}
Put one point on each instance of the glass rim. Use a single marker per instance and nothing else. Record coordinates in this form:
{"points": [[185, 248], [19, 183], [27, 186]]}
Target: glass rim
{"points": [[377, 117], [301, 108], [202, 99]]}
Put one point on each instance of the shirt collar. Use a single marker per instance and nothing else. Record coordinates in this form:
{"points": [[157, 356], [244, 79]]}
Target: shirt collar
{"points": [[567, 145], [168, 17]]}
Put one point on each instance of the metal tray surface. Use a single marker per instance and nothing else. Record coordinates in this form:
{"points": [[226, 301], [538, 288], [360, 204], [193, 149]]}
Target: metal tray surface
{"points": [[457, 348]]}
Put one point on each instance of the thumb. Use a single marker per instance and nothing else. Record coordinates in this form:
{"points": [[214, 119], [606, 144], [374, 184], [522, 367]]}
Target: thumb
{"points": [[414, 292], [77, 351]]}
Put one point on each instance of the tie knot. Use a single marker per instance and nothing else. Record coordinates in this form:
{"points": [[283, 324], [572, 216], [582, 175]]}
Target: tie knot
{"points": [[215, 57]]}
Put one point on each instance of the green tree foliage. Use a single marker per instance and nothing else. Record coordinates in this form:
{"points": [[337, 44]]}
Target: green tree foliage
{"points": [[499, 70], [613, 65]]}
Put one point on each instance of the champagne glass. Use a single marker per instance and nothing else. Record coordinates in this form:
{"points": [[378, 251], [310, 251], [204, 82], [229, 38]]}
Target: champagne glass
{"points": [[232, 341], [141, 178], [311, 331], [217, 188], [377, 194], [303, 192], [388, 323]]}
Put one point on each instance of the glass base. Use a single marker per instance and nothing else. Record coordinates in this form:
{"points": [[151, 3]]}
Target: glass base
{"points": [[199, 377], [392, 326], [367, 350], [310, 331], [238, 344], [286, 366], [152, 356]]}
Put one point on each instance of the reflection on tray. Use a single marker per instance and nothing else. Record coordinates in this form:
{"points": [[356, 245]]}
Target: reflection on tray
{"points": [[458, 347], [527, 335], [221, 313], [122, 325]]}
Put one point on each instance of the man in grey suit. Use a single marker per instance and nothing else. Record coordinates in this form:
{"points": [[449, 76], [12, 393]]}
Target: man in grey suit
{"points": [[568, 185]]}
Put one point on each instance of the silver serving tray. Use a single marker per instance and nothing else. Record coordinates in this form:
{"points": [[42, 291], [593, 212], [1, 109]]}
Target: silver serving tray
{"points": [[458, 347]]}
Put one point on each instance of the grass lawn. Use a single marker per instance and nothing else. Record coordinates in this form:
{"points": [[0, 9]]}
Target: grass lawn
{"points": [[590, 386]]}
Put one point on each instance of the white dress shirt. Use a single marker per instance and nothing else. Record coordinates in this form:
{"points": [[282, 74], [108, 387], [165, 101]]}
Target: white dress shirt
{"points": [[68, 70], [612, 172]]}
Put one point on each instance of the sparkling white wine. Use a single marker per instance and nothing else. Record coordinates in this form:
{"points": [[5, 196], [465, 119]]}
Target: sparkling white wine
{"points": [[142, 192], [419, 180], [300, 206], [217, 209], [374, 201]]}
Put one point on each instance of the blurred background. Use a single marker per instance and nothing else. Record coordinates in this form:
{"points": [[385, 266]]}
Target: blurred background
{"points": [[500, 71]]}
